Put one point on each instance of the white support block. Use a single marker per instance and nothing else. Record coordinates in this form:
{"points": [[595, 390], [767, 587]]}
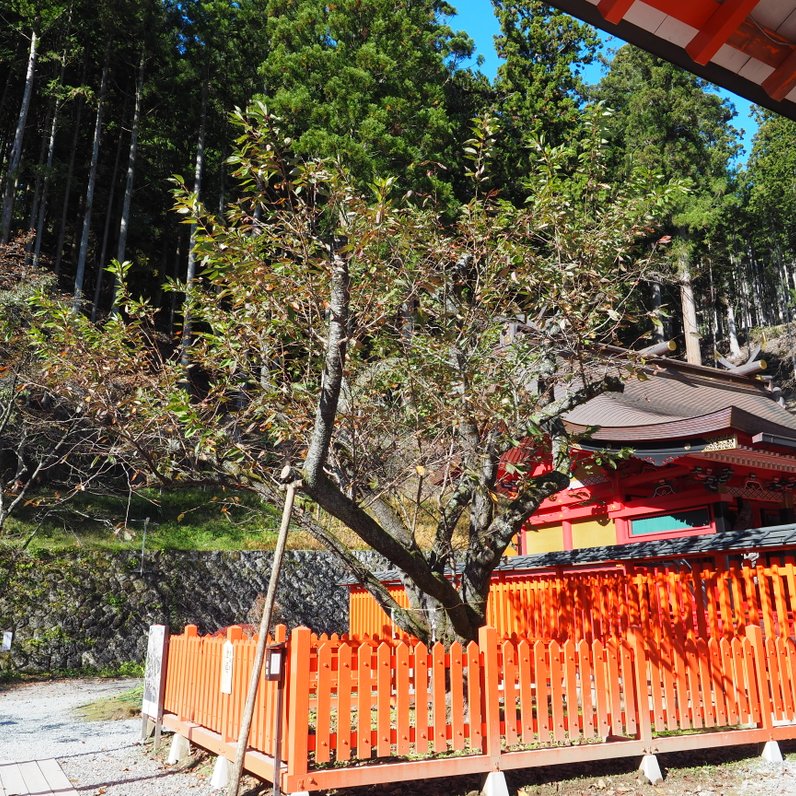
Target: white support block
{"points": [[298, 793], [221, 772], [650, 769], [495, 784], [179, 750], [772, 753]]}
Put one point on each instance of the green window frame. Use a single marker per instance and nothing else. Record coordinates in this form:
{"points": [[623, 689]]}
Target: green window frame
{"points": [[673, 522]]}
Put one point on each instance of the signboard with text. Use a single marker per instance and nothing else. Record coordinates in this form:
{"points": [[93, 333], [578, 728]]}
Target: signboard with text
{"points": [[155, 671]]}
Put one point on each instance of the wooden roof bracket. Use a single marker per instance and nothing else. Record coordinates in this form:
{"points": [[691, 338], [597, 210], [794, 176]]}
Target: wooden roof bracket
{"points": [[726, 19]]}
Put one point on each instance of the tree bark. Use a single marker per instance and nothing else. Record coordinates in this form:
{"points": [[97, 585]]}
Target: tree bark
{"points": [[693, 353], [45, 191], [59, 246], [106, 227], [190, 273], [732, 329], [16, 150], [80, 272], [124, 220]]}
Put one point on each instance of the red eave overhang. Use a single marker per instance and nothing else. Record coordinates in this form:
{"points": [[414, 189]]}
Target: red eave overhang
{"points": [[746, 46]]}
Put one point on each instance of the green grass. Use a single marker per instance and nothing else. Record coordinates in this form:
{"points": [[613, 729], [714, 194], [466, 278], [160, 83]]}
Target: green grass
{"points": [[126, 705], [190, 519]]}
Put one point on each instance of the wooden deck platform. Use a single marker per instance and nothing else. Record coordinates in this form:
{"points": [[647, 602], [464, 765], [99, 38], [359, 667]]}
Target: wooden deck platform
{"points": [[34, 778]]}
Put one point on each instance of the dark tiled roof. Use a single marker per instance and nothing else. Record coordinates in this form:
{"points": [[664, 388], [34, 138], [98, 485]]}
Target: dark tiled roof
{"points": [[754, 539], [775, 536], [677, 400]]}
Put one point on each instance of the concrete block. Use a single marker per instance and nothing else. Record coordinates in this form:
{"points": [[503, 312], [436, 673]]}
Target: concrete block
{"points": [[495, 784], [221, 772], [179, 750], [650, 769], [772, 753]]}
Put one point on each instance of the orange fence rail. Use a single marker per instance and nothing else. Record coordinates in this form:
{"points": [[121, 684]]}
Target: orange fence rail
{"points": [[496, 704], [713, 601]]}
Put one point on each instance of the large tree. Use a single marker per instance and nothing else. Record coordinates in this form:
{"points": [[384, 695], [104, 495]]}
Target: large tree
{"points": [[538, 91], [670, 122], [371, 82], [389, 357]]}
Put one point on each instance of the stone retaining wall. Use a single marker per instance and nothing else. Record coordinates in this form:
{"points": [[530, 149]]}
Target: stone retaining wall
{"points": [[91, 611]]}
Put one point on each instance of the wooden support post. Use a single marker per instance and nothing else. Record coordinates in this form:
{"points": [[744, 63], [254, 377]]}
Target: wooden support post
{"points": [[265, 624]]}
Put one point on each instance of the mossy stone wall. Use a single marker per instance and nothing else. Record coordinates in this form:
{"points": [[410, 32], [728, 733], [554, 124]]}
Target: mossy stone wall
{"points": [[89, 611]]}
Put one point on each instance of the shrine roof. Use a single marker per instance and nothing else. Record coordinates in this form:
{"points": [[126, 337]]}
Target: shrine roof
{"points": [[669, 399], [755, 539], [746, 46], [739, 542]]}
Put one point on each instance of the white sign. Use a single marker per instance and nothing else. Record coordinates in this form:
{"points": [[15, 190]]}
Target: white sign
{"points": [[8, 637], [227, 662], [153, 672]]}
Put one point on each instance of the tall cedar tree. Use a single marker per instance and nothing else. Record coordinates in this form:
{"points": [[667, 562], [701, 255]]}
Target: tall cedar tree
{"points": [[538, 91], [369, 82]]}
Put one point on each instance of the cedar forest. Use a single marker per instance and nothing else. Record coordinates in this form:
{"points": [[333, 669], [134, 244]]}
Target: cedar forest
{"points": [[243, 235]]}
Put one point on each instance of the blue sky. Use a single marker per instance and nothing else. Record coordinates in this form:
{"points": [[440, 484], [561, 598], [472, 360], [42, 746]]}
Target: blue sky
{"points": [[476, 17]]}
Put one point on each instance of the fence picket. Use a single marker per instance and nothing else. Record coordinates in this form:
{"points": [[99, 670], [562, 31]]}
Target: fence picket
{"points": [[323, 704], [775, 677], [345, 687], [475, 716], [364, 694], [541, 675], [439, 707], [421, 699], [557, 691], [526, 691], [789, 653], [571, 689], [585, 672], [729, 689], [456, 668], [383, 700], [402, 699], [510, 692]]}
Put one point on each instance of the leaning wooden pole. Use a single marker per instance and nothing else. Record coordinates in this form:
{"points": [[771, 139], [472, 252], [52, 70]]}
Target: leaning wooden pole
{"points": [[265, 624]]}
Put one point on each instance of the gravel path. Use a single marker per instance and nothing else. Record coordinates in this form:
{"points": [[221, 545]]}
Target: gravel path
{"points": [[40, 720]]}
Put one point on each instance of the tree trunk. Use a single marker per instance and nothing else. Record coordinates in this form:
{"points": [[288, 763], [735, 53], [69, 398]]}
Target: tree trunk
{"points": [[39, 182], [92, 180], [45, 191], [732, 331], [190, 273], [693, 353], [106, 227], [658, 330], [59, 246], [124, 221], [16, 151]]}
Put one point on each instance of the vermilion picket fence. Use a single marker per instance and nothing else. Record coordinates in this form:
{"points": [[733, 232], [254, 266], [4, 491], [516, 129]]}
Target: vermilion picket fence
{"points": [[363, 711], [716, 601]]}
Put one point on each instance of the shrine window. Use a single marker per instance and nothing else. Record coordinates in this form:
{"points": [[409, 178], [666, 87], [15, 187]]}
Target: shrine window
{"points": [[675, 522]]}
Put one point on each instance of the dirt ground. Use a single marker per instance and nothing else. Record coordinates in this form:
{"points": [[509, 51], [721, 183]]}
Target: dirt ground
{"points": [[733, 771]]}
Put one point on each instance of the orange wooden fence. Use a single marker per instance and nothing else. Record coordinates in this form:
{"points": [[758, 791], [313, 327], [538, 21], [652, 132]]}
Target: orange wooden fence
{"points": [[713, 601], [496, 704]]}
